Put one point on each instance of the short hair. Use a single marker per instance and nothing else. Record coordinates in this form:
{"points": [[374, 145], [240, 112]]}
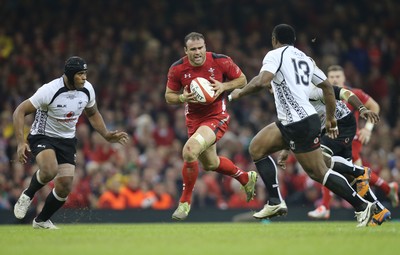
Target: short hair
{"points": [[193, 36], [284, 33], [334, 68]]}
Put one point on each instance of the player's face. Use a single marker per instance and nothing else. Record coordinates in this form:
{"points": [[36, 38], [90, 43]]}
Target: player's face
{"points": [[336, 78], [79, 79], [196, 52]]}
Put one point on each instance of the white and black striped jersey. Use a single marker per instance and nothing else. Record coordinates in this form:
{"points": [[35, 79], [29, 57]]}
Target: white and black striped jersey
{"points": [[58, 108], [317, 100], [293, 81]]}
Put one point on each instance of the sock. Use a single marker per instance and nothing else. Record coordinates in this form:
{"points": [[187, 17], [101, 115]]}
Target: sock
{"points": [[326, 197], [35, 185], [227, 167], [370, 196], [52, 204], [190, 172], [377, 181], [343, 166], [268, 172], [339, 185]]}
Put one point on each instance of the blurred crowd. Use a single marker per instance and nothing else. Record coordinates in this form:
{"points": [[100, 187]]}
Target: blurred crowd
{"points": [[129, 46]]}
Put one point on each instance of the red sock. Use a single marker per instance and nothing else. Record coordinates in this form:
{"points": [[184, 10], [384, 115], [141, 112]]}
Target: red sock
{"points": [[326, 197], [377, 181], [227, 167], [190, 172]]}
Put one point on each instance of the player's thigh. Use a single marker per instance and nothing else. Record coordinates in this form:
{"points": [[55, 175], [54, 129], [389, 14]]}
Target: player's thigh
{"points": [[47, 163], [200, 141], [267, 141], [313, 163], [209, 158]]}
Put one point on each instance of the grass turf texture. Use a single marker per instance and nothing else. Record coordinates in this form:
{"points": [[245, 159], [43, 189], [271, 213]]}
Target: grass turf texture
{"points": [[292, 238]]}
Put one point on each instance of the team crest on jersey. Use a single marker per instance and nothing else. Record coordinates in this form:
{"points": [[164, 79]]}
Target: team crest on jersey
{"points": [[292, 145], [347, 140], [211, 71], [316, 140]]}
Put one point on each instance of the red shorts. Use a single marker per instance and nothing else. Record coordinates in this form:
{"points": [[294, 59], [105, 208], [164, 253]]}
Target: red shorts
{"points": [[218, 124]]}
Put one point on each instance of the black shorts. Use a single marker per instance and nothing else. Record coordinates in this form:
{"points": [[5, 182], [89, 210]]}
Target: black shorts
{"points": [[341, 146], [65, 148], [302, 136]]}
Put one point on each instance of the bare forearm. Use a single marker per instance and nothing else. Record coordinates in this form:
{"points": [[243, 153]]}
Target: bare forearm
{"points": [[97, 122], [372, 105], [253, 86], [236, 83], [330, 100], [18, 122], [174, 98], [355, 102]]}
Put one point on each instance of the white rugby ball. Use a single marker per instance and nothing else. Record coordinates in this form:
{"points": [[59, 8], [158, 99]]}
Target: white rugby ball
{"points": [[203, 90]]}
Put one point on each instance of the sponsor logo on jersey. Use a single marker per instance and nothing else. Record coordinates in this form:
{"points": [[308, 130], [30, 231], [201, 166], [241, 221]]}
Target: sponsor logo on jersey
{"points": [[69, 115], [41, 146]]}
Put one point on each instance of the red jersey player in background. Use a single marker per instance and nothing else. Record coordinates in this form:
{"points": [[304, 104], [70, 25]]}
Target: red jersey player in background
{"points": [[206, 124], [337, 77]]}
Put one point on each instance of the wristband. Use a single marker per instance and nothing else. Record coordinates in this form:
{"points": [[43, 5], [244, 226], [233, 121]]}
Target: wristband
{"points": [[181, 98], [362, 108], [369, 126]]}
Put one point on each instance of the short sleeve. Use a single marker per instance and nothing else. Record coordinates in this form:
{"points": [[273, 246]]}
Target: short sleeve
{"points": [[270, 63], [318, 76]]}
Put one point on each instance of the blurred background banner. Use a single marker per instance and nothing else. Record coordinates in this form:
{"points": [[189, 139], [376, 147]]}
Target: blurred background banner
{"points": [[129, 46]]}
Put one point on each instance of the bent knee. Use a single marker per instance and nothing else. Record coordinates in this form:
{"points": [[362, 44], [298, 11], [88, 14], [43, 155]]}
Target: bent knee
{"points": [[189, 156], [256, 151], [317, 176], [63, 186], [210, 166], [46, 175]]}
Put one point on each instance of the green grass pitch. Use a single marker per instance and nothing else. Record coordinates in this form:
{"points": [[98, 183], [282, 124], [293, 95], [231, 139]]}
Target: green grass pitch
{"points": [[281, 238]]}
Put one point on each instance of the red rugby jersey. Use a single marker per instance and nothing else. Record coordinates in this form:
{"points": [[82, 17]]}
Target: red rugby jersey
{"points": [[217, 66]]}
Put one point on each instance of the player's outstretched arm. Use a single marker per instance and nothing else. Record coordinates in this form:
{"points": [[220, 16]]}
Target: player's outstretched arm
{"points": [[354, 101], [261, 81], [97, 122]]}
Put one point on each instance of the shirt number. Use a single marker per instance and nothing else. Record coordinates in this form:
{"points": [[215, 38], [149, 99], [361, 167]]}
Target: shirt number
{"points": [[304, 77]]}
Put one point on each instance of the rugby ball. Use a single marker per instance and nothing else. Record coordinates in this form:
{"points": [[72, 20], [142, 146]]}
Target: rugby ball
{"points": [[202, 89]]}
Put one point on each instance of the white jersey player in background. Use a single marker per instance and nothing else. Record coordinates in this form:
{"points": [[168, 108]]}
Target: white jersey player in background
{"points": [[338, 151], [58, 105], [291, 73]]}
